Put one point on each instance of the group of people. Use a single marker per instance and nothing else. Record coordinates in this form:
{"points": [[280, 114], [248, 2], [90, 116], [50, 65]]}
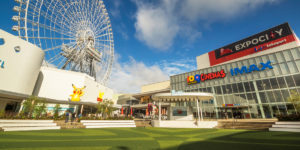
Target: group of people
{"points": [[71, 116]]}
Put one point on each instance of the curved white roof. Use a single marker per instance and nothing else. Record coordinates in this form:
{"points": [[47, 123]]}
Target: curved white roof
{"points": [[182, 96]]}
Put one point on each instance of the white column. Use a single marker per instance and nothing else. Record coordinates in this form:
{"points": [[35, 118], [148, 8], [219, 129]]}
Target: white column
{"points": [[21, 107], [159, 110], [201, 112], [81, 111], [198, 110]]}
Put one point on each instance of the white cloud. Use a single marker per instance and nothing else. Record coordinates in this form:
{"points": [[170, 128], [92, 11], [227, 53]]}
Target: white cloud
{"points": [[128, 77], [115, 11], [155, 28], [213, 10], [159, 24]]}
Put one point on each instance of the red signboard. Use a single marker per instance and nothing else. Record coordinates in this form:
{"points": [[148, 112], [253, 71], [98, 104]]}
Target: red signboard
{"points": [[265, 40]]}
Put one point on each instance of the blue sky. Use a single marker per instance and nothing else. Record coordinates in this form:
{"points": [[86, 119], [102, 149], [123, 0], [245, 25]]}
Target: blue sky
{"points": [[159, 38]]}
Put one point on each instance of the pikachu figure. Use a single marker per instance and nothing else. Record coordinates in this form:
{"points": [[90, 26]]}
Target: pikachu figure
{"points": [[100, 98], [77, 93]]}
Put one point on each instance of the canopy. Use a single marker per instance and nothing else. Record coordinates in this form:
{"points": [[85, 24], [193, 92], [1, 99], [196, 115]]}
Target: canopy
{"points": [[169, 97]]}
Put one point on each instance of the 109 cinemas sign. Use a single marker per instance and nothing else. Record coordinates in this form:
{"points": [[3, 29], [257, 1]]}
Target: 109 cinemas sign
{"points": [[273, 37]]}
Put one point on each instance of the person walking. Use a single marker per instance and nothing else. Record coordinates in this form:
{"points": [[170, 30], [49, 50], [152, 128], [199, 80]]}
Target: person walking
{"points": [[67, 116], [73, 117]]}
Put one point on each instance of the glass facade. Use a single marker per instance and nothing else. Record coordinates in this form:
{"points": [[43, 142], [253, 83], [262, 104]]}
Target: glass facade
{"points": [[259, 94]]}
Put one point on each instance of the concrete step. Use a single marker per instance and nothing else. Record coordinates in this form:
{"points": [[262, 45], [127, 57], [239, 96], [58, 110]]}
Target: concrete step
{"points": [[106, 121], [286, 126], [97, 124], [113, 126], [27, 124], [29, 128], [27, 121], [288, 123], [284, 129]]}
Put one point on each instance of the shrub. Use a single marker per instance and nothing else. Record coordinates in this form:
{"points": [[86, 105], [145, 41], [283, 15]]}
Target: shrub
{"points": [[56, 112], [2, 113], [291, 117]]}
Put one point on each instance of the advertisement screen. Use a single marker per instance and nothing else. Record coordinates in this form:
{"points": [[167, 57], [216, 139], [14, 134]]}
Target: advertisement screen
{"points": [[179, 111], [279, 35]]}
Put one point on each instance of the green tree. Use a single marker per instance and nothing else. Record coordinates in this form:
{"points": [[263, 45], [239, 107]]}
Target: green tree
{"points": [[29, 106], [295, 99], [105, 108], [56, 111], [2, 113], [39, 108]]}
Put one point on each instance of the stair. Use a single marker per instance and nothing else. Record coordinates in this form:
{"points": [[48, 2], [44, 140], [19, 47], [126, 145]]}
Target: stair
{"points": [[246, 124], [183, 124], [286, 126], [27, 125], [108, 123]]}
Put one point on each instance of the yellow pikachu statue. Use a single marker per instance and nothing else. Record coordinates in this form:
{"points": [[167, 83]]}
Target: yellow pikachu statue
{"points": [[99, 99], [77, 93]]}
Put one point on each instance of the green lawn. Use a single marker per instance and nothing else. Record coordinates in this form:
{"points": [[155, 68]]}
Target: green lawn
{"points": [[149, 138]]}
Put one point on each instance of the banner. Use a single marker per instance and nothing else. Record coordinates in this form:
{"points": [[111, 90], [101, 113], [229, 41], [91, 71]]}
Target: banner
{"points": [[279, 35]]}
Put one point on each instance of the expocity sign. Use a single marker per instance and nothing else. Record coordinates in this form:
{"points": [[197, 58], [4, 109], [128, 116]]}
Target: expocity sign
{"points": [[279, 35]]}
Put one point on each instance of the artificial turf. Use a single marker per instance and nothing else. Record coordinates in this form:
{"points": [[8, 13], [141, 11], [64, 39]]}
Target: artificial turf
{"points": [[149, 138]]}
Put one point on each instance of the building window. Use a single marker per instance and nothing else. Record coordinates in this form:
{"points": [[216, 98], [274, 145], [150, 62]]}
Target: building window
{"points": [[234, 88], [287, 55], [297, 79], [292, 67], [228, 89], [266, 84], [284, 68], [218, 90], [296, 53], [281, 82], [263, 97], [278, 96], [285, 94], [290, 82], [279, 57], [274, 83], [241, 87], [259, 85], [270, 96]]}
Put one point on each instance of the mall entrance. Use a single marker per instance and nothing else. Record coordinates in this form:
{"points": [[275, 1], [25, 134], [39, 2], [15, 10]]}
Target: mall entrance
{"points": [[234, 112]]}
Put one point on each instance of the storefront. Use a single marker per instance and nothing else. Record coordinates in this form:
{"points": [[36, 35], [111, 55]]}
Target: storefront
{"points": [[251, 78]]}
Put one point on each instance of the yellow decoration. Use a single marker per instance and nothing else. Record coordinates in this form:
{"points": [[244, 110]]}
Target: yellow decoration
{"points": [[100, 98], [77, 93]]}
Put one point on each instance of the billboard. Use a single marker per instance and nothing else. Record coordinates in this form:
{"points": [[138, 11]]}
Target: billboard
{"points": [[276, 36]]}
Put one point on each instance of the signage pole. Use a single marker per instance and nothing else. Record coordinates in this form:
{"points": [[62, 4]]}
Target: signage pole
{"points": [[198, 111], [159, 110], [201, 112]]}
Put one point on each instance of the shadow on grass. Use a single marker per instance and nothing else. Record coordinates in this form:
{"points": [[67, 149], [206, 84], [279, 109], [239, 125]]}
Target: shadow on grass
{"points": [[248, 140]]}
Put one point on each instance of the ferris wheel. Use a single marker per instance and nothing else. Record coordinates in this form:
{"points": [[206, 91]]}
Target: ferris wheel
{"points": [[75, 35]]}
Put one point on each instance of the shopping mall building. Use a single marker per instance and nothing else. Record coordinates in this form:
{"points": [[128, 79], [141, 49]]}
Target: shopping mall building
{"points": [[252, 77]]}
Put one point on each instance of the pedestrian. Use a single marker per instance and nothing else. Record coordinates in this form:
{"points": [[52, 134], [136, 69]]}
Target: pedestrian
{"points": [[73, 116], [78, 117], [67, 116]]}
